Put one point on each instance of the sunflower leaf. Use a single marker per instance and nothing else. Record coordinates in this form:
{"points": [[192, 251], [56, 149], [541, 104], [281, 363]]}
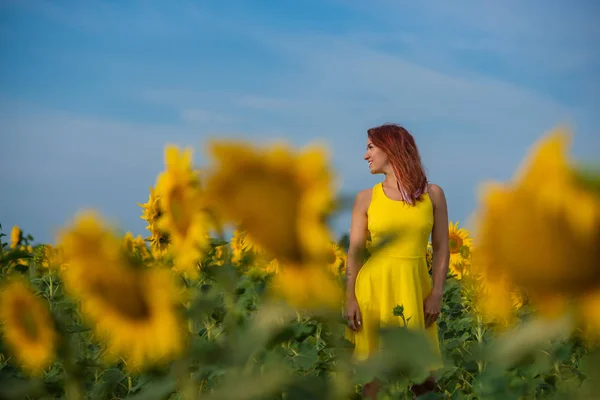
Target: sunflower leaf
{"points": [[531, 336], [15, 255], [158, 390], [404, 352], [217, 242], [307, 356], [13, 388], [258, 385]]}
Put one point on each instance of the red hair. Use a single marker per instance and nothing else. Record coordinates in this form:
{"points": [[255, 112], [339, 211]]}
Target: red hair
{"points": [[403, 154]]}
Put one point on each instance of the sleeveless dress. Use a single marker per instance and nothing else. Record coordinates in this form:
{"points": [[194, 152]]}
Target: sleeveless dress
{"points": [[395, 275]]}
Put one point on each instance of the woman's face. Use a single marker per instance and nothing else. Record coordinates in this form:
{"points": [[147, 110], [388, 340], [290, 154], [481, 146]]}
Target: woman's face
{"points": [[376, 158]]}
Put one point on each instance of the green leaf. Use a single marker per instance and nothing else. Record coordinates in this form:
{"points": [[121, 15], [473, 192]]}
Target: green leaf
{"points": [[303, 331], [308, 387], [238, 386], [158, 390], [209, 352], [15, 255], [307, 356], [13, 388], [532, 336], [404, 352], [108, 382]]}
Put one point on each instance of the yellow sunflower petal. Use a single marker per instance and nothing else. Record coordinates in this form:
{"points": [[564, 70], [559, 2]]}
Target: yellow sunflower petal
{"points": [[15, 237], [309, 287]]}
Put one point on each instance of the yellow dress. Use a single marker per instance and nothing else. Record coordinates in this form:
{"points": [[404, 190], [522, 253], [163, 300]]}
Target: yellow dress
{"points": [[395, 275]]}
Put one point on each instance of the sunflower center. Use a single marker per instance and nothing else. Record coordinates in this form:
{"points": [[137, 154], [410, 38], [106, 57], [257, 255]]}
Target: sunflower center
{"points": [[26, 320], [267, 203], [124, 296], [333, 257], [455, 243], [157, 213]]}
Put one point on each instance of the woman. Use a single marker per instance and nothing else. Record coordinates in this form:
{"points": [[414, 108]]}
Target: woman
{"points": [[406, 204]]}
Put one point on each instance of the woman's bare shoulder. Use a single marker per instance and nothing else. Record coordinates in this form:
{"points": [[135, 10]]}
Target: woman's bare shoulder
{"points": [[363, 199], [436, 193]]}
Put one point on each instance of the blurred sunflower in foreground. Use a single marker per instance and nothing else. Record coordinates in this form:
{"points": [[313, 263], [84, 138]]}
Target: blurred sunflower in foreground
{"points": [[281, 200], [27, 326], [131, 309], [541, 233]]}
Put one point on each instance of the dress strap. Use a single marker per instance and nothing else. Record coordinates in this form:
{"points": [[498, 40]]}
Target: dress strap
{"points": [[377, 191]]}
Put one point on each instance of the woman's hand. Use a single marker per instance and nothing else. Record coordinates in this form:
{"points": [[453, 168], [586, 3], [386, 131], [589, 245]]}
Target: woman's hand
{"points": [[352, 314], [432, 307]]}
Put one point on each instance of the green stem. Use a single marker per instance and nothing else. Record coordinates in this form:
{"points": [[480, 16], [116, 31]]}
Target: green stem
{"points": [[479, 335], [73, 386], [187, 387]]}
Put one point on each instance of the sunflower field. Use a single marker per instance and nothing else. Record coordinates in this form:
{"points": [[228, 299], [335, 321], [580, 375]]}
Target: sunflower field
{"points": [[235, 295]]}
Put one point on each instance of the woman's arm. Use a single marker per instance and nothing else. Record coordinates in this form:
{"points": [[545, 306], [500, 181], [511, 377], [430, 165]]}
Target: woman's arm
{"points": [[439, 238], [356, 253], [358, 239], [441, 254]]}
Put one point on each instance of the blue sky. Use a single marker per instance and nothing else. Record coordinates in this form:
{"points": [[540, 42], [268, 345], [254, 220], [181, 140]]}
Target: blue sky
{"points": [[91, 91]]}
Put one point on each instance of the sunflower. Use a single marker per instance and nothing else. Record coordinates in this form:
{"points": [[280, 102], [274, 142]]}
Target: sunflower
{"points": [[15, 237], [131, 310], [460, 269], [151, 212], [219, 255], [53, 258], [517, 299], [136, 246], [27, 326], [243, 249], [272, 267], [544, 229], [429, 256], [280, 198], [90, 247], [338, 260], [457, 238], [183, 218], [492, 300], [134, 313], [238, 246]]}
